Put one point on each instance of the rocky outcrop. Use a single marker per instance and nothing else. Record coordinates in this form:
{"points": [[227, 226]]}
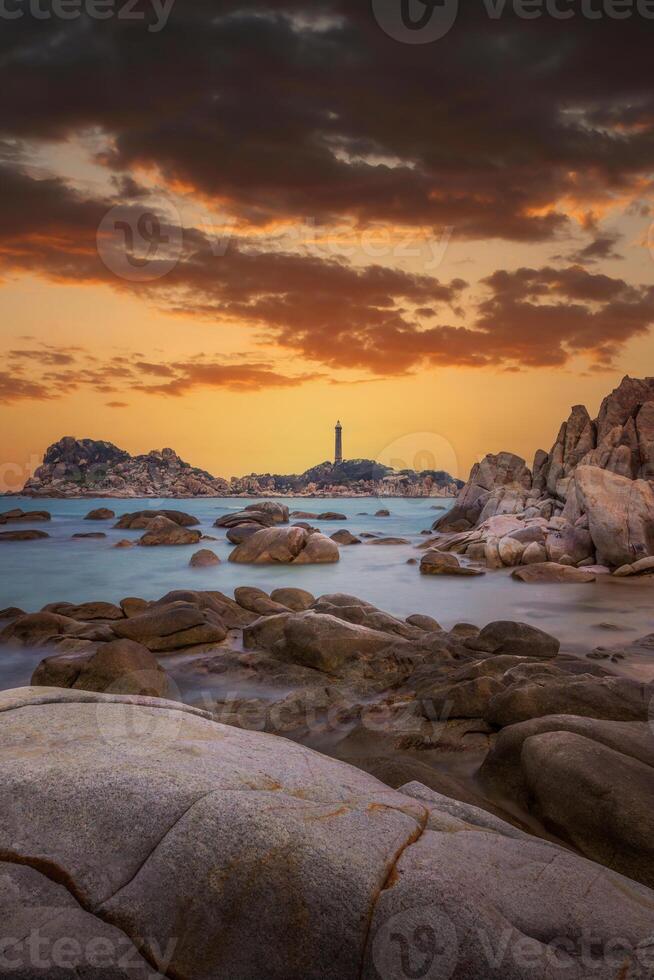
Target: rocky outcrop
{"points": [[151, 823], [590, 499], [25, 535], [289, 546], [620, 514], [498, 485], [163, 532], [91, 468]]}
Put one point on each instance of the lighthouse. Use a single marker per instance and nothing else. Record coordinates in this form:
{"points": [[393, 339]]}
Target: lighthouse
{"points": [[338, 450]]}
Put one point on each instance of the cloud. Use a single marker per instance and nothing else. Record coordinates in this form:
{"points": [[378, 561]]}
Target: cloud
{"points": [[293, 109]]}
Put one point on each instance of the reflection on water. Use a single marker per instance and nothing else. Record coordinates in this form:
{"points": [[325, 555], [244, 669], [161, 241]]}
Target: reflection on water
{"points": [[609, 612]]}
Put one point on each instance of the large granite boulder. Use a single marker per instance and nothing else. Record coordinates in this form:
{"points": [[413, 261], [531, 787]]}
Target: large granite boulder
{"points": [[120, 667], [331, 644], [495, 475], [163, 532], [610, 698], [442, 563], [291, 545], [223, 853], [166, 627], [590, 781], [620, 514]]}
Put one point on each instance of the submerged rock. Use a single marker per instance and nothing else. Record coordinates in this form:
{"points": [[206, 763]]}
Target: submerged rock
{"points": [[550, 571], [441, 563], [204, 559]]}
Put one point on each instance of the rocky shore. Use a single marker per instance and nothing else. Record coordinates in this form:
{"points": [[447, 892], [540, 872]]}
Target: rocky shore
{"points": [[500, 719], [585, 508]]}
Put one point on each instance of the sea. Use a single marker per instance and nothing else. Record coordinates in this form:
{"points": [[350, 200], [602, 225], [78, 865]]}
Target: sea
{"points": [[609, 613]]}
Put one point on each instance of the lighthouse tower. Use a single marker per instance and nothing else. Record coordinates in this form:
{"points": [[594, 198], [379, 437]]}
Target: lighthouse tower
{"points": [[338, 451]]}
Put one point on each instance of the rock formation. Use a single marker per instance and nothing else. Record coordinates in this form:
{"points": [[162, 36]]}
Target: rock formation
{"points": [[589, 501], [89, 468], [201, 851]]}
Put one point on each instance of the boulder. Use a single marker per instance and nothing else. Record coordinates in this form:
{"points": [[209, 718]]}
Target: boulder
{"points": [[494, 473], [534, 554], [164, 532], [426, 623], [205, 558], [330, 644], [140, 520], [165, 833], [245, 517], [331, 516], [101, 514], [86, 611], [36, 629], [12, 612], [22, 535], [93, 535], [515, 639], [120, 667], [258, 601], [549, 571], [383, 513], [388, 541], [345, 537], [172, 626], [240, 533], [278, 512], [620, 514], [31, 516], [609, 698], [442, 563], [291, 545], [267, 632], [296, 599], [125, 543], [510, 550]]}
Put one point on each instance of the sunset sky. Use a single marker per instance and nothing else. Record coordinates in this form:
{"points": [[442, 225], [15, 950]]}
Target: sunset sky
{"points": [[445, 245]]}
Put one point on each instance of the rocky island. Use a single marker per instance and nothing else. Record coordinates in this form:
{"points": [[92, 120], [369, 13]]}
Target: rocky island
{"points": [[89, 468]]}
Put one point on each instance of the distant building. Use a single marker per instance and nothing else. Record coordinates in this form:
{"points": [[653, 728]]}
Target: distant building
{"points": [[338, 452]]}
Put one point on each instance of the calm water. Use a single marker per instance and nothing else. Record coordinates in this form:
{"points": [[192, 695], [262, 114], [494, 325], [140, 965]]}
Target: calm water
{"points": [[62, 569]]}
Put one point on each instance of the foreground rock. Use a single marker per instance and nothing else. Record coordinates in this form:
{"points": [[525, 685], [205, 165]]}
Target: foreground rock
{"points": [[120, 667], [173, 626], [591, 781], [291, 546], [167, 831]]}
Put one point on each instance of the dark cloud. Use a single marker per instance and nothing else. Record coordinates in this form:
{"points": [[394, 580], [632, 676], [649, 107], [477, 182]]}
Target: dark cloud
{"points": [[291, 108]]}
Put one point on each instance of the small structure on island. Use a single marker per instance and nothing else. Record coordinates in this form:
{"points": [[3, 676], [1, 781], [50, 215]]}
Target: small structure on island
{"points": [[338, 450]]}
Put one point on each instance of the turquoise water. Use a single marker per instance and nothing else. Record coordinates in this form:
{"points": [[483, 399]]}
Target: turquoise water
{"points": [[62, 569]]}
